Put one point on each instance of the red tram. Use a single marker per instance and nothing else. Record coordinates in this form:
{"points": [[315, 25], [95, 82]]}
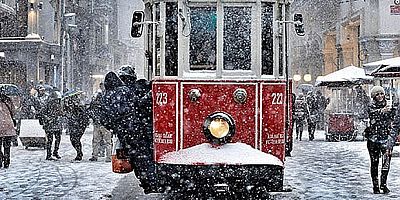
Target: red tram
{"points": [[221, 96]]}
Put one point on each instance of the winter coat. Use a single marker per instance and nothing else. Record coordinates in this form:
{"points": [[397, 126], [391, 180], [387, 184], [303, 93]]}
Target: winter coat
{"points": [[127, 110], [395, 129], [40, 102], [77, 117], [312, 107], [6, 117], [95, 108], [117, 104], [379, 122], [300, 110], [52, 114]]}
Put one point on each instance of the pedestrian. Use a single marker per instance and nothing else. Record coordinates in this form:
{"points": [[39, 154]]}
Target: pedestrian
{"points": [[52, 114], [321, 103], [40, 101], [101, 136], [77, 120], [361, 102], [7, 128], [300, 115], [378, 137], [132, 124], [141, 128], [312, 114]]}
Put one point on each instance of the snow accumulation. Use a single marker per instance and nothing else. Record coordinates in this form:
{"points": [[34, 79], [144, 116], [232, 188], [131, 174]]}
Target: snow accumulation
{"points": [[348, 74], [232, 153]]}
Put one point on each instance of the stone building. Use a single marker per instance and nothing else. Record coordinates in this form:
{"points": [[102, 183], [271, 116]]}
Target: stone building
{"points": [[66, 43], [365, 31]]}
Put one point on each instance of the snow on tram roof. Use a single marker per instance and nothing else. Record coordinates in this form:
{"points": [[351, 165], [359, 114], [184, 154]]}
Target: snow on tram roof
{"points": [[231, 153]]}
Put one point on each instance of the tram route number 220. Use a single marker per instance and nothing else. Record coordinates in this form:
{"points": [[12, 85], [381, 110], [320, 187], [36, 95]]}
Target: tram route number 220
{"points": [[161, 98], [277, 98]]}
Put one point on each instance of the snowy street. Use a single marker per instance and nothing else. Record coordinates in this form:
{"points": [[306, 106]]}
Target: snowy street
{"points": [[316, 170], [30, 176]]}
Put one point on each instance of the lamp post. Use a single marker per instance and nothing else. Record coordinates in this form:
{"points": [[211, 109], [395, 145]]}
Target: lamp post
{"points": [[307, 77]]}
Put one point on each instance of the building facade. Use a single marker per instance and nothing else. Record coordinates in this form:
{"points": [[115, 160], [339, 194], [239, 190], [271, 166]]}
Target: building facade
{"points": [[365, 31], [70, 44]]}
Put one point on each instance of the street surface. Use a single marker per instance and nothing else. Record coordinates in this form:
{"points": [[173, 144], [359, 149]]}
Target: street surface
{"points": [[316, 170]]}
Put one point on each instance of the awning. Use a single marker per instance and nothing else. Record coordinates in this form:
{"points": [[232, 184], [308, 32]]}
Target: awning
{"points": [[384, 68], [350, 75]]}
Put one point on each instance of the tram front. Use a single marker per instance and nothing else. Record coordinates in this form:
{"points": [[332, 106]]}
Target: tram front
{"points": [[220, 92]]}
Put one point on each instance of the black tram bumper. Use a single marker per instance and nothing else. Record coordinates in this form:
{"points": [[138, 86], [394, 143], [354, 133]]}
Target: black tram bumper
{"points": [[220, 177]]}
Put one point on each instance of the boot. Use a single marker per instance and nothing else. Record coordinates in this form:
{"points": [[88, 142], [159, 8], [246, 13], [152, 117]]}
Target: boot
{"points": [[6, 163], [55, 154], [93, 158], [1, 162], [375, 184], [383, 187]]}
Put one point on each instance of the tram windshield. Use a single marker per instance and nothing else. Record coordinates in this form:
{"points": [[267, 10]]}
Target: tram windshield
{"points": [[238, 38], [203, 38]]}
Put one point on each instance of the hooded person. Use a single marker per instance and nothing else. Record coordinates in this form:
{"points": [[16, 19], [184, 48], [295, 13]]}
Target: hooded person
{"points": [[378, 137], [129, 101]]}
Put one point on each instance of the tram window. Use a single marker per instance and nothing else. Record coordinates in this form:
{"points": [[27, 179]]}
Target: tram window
{"points": [[237, 38], [171, 39], [267, 40], [203, 38]]}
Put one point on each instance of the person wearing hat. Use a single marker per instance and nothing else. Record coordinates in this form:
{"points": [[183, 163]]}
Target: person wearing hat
{"points": [[378, 134], [52, 124], [133, 129], [40, 101]]}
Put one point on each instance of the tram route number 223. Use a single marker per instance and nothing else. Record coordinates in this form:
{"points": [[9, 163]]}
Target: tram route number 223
{"points": [[161, 98], [277, 98]]}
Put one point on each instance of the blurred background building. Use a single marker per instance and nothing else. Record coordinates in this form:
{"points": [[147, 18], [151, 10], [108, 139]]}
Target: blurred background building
{"points": [[70, 44], [340, 33]]}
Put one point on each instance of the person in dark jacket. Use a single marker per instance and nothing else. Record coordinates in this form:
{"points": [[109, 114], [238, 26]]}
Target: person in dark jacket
{"points": [[312, 113], [141, 132], [77, 120], [300, 115], [378, 136], [52, 113], [127, 109]]}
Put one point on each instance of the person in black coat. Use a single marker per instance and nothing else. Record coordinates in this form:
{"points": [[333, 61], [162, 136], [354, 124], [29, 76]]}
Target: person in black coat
{"points": [[52, 113], [127, 111], [312, 114], [300, 115], [378, 137], [77, 120]]}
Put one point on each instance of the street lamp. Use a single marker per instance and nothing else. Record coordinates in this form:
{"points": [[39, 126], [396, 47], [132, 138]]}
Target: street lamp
{"points": [[307, 77], [296, 77]]}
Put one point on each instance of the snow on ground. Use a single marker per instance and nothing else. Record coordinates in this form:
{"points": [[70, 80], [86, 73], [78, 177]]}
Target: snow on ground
{"points": [[30, 176], [334, 170]]}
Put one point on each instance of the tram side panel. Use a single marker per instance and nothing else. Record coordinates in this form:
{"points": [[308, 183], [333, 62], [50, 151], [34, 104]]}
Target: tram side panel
{"points": [[165, 118], [272, 134]]}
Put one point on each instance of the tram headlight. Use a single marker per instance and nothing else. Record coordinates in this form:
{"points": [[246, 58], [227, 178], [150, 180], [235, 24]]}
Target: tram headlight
{"points": [[219, 128]]}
